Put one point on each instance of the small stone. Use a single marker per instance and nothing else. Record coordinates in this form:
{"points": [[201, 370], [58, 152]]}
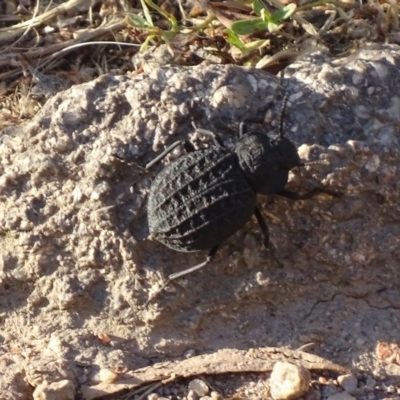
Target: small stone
{"points": [[289, 381], [62, 390], [371, 396], [312, 394], [105, 375], [153, 396], [391, 389], [216, 396], [189, 353], [322, 380], [348, 382], [192, 395], [329, 389], [368, 389], [371, 382], [198, 386], [341, 396]]}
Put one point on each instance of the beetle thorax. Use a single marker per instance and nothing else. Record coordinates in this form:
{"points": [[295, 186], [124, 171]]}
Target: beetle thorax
{"points": [[266, 161]]}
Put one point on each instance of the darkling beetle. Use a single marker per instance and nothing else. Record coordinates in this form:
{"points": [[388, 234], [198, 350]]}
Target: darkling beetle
{"points": [[203, 197]]}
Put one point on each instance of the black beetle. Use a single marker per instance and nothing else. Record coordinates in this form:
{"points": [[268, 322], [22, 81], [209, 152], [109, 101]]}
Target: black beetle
{"points": [[202, 198]]}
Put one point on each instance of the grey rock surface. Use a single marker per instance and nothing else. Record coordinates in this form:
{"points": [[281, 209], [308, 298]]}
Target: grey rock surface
{"points": [[75, 265]]}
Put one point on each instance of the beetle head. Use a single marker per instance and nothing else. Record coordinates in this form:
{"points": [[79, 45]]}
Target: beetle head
{"points": [[266, 161]]}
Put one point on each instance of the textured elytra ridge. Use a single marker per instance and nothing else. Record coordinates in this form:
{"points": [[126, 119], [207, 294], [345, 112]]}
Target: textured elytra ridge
{"points": [[199, 200]]}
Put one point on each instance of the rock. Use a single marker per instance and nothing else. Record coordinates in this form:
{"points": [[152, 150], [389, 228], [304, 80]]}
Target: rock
{"points": [[105, 375], [289, 381], [13, 385], [192, 395], [199, 387], [216, 396], [348, 382], [312, 394], [46, 370], [341, 396], [62, 390], [329, 389], [371, 382]]}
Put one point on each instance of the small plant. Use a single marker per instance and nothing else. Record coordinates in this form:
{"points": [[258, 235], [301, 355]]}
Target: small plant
{"points": [[264, 22], [147, 23]]}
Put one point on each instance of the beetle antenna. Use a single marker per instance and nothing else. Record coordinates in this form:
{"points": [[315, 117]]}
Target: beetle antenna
{"points": [[315, 162], [281, 116]]}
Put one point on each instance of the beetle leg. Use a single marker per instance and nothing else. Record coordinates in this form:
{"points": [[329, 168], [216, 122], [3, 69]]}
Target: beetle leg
{"points": [[216, 139], [265, 231], [263, 226], [185, 144], [295, 196], [209, 258], [177, 275]]}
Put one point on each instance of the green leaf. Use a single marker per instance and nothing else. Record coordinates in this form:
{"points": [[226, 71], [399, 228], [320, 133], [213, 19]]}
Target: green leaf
{"points": [[234, 39], [146, 12], [168, 16], [284, 13], [256, 44], [147, 41], [265, 15], [272, 26], [245, 48], [257, 6], [137, 21], [248, 26]]}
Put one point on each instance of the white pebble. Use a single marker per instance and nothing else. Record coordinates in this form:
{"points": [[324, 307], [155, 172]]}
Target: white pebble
{"points": [[199, 387], [289, 381]]}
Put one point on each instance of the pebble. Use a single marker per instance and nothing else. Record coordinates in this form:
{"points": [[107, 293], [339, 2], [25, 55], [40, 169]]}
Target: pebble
{"points": [[371, 382], [189, 353], [199, 387], [322, 380], [313, 394], [289, 381], [348, 382], [341, 396], [390, 389], [105, 375], [192, 395], [62, 390], [371, 396], [216, 396], [329, 389]]}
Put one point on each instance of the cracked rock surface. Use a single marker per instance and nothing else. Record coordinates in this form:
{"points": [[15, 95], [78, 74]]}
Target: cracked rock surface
{"points": [[76, 267]]}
